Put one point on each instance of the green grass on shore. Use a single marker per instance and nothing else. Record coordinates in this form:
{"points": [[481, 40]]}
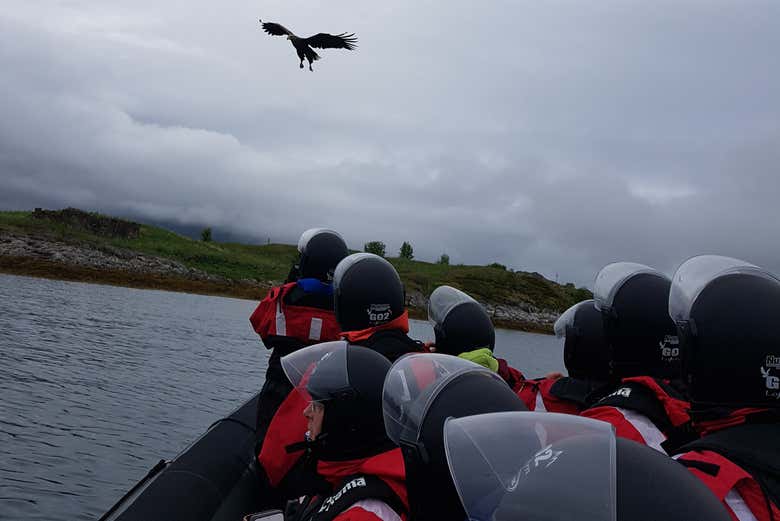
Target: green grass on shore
{"points": [[268, 263], [230, 260]]}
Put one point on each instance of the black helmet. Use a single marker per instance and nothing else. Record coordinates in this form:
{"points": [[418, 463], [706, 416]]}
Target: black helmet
{"points": [[459, 322], [633, 300], [421, 391], [510, 466], [368, 292], [727, 312], [585, 352], [321, 250], [347, 379]]}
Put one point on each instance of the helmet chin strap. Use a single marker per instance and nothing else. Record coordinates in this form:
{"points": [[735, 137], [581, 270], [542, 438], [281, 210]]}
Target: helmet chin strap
{"points": [[312, 445]]}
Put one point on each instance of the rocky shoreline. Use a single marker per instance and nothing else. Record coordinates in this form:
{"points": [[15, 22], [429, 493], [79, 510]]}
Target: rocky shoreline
{"points": [[50, 258]]}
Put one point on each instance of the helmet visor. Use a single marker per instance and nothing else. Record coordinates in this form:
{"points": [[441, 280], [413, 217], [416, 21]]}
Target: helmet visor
{"points": [[306, 236], [349, 261], [443, 300], [566, 319], [696, 273], [332, 378], [612, 277], [510, 466], [412, 384]]}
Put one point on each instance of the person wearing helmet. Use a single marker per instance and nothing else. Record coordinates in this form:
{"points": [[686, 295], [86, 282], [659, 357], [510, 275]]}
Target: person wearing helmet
{"points": [[644, 353], [369, 310], [462, 327], [346, 443], [586, 357], [415, 410], [293, 315], [369, 305], [726, 311], [512, 466]]}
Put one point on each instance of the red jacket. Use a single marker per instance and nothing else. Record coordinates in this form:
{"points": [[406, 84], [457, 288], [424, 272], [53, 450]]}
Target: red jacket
{"points": [[737, 488], [309, 325], [734, 486], [401, 323], [537, 397], [389, 340], [387, 466], [511, 376], [642, 410], [288, 426]]}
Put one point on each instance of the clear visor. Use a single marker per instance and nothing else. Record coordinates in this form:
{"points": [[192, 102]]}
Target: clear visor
{"points": [[567, 318], [349, 261], [311, 232], [412, 384], [443, 300], [612, 277], [512, 466], [301, 366], [695, 274], [306, 236]]}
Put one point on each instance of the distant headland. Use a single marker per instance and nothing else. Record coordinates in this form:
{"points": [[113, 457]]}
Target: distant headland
{"points": [[72, 244]]}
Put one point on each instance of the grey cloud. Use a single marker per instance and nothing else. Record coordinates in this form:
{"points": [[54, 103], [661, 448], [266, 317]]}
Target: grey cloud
{"points": [[551, 137]]}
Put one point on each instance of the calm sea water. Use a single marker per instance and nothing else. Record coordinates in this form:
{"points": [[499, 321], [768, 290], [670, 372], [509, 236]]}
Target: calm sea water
{"points": [[98, 383]]}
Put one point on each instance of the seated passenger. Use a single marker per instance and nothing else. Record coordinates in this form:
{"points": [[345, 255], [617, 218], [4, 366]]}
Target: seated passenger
{"points": [[586, 356], [510, 466], [297, 313], [421, 392], [727, 313], [346, 441], [463, 328], [643, 405], [369, 304], [369, 308]]}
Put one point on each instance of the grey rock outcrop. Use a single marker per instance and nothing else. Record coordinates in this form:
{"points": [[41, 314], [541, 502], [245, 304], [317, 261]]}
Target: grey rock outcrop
{"points": [[103, 258]]}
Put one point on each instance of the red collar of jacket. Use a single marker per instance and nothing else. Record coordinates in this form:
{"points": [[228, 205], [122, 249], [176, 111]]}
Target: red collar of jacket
{"points": [[731, 418], [388, 466], [401, 322], [511, 376], [676, 409]]}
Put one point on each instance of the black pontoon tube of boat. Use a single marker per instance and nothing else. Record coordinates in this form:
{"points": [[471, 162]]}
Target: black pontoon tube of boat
{"points": [[214, 479]]}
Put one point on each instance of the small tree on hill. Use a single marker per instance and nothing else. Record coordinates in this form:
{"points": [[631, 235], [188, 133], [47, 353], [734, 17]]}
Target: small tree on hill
{"points": [[444, 259], [375, 247], [406, 251], [205, 235]]}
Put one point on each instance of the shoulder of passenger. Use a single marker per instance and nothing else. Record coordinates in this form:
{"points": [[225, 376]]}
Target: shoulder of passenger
{"points": [[369, 510]]}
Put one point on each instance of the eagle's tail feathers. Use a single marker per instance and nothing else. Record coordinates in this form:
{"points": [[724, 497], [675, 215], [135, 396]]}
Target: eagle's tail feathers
{"points": [[311, 55]]}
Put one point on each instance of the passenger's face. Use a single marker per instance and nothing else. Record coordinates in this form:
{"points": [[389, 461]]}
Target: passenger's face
{"points": [[314, 413]]}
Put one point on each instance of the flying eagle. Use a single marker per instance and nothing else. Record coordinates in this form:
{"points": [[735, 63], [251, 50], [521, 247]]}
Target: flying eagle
{"points": [[303, 46]]}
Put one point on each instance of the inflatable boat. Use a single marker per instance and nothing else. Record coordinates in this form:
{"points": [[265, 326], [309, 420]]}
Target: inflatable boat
{"points": [[214, 479]]}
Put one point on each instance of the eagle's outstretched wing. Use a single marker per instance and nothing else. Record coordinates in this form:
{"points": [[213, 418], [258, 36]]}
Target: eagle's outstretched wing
{"points": [[276, 29], [332, 41]]}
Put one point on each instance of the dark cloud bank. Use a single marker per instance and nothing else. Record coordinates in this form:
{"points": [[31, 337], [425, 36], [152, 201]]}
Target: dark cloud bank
{"points": [[550, 137]]}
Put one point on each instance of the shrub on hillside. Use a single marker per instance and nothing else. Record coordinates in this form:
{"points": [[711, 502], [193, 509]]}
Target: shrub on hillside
{"points": [[444, 259], [205, 235], [375, 247], [406, 251]]}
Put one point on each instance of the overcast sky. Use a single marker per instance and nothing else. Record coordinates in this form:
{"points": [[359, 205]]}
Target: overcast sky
{"points": [[548, 136]]}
